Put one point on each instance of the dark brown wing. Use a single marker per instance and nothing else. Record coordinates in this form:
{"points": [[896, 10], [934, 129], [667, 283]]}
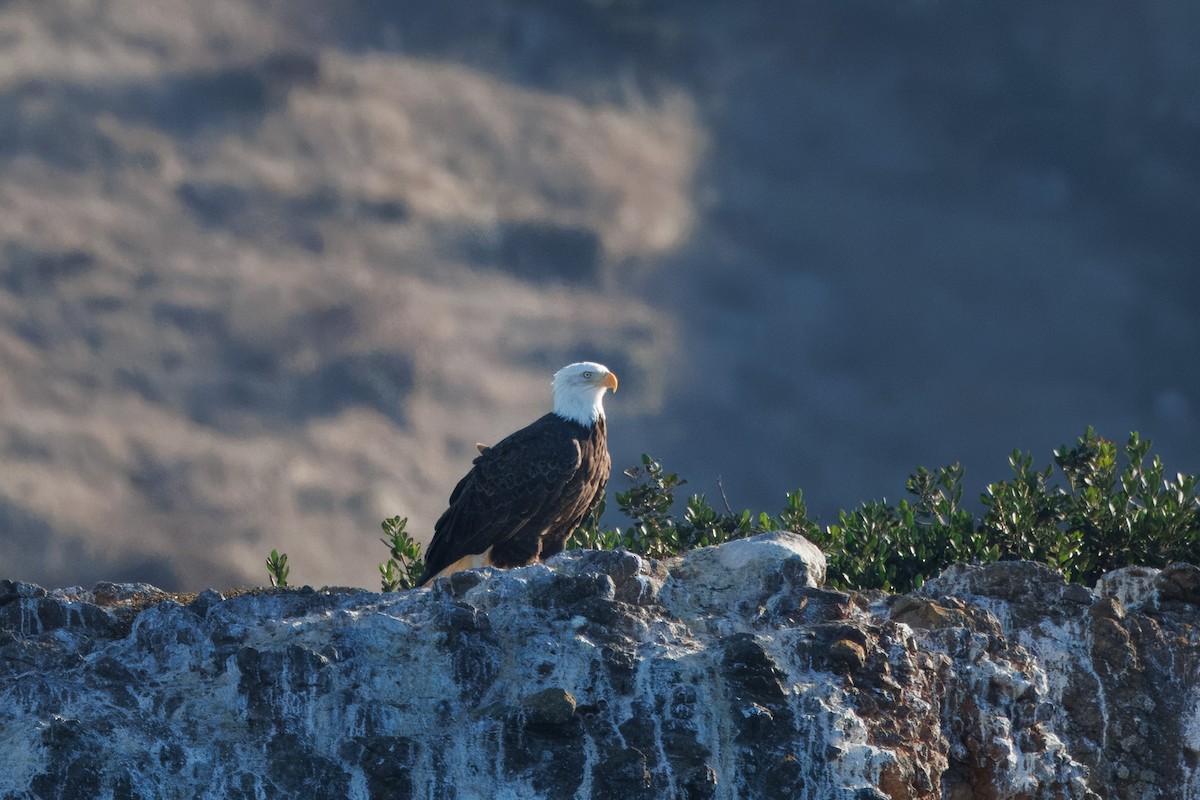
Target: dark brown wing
{"points": [[513, 486]]}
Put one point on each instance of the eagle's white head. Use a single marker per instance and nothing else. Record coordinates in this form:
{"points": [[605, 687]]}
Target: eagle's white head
{"points": [[579, 391]]}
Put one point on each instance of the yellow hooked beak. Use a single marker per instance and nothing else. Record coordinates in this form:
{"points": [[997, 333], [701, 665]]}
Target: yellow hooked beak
{"points": [[609, 380]]}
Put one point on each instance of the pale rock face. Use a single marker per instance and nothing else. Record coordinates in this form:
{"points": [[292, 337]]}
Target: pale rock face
{"points": [[728, 673], [724, 587], [1130, 586]]}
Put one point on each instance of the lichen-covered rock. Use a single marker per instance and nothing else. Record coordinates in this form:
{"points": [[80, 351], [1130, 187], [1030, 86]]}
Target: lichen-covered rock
{"points": [[729, 673], [1116, 671]]}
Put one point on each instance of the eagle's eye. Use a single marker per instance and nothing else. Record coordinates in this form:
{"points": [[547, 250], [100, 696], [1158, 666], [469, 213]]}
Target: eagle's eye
{"points": [[587, 373]]}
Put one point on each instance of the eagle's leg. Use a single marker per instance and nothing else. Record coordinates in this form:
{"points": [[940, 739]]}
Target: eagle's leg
{"points": [[516, 552], [551, 546]]}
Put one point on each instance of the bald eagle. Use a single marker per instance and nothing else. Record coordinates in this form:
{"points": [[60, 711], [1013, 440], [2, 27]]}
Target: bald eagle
{"points": [[526, 494]]}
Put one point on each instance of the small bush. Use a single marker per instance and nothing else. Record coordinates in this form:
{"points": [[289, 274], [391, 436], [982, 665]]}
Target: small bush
{"points": [[894, 548], [403, 568], [277, 568], [1101, 519], [657, 534]]}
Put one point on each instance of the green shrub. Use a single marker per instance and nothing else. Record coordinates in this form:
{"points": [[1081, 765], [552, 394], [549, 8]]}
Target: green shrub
{"points": [[1101, 519], [403, 568], [277, 568], [896, 548], [1096, 519]]}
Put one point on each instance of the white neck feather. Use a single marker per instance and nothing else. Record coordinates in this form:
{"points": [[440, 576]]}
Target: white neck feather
{"points": [[584, 406]]}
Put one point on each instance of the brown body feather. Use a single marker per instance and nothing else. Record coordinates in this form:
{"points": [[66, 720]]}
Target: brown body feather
{"points": [[523, 497]]}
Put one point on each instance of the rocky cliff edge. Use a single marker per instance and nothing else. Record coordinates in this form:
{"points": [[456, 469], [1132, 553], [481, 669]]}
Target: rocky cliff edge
{"points": [[728, 673]]}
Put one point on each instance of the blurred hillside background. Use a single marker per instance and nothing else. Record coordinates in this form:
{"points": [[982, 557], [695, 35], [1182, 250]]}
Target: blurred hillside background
{"points": [[270, 269]]}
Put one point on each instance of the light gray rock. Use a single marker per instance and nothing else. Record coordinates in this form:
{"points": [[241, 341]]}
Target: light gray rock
{"points": [[725, 588]]}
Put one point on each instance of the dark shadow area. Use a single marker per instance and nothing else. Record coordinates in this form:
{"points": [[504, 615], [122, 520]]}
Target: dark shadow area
{"points": [[537, 251], [31, 549], [253, 400], [59, 122]]}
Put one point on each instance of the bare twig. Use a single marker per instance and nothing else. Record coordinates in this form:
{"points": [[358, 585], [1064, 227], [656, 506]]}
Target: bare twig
{"points": [[724, 499]]}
